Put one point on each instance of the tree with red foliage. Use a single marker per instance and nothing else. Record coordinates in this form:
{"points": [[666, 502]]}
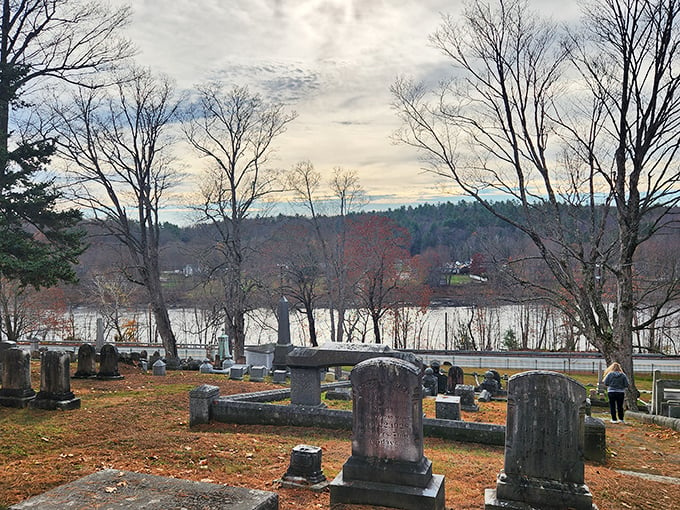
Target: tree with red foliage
{"points": [[380, 265]]}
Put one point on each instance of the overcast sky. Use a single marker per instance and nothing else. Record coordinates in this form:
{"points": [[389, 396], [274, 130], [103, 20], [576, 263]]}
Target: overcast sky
{"points": [[332, 61]]}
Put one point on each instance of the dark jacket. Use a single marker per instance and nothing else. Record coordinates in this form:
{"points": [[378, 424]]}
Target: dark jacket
{"points": [[616, 381]]}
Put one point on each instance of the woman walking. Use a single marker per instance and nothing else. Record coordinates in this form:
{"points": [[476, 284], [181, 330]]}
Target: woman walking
{"points": [[616, 382]]}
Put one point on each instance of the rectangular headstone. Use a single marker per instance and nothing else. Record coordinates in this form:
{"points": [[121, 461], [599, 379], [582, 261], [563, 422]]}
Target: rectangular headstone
{"points": [[447, 407], [387, 466], [305, 386], [544, 445], [257, 374], [237, 372], [137, 490]]}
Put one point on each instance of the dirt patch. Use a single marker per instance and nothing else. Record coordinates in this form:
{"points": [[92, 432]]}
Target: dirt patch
{"points": [[140, 424]]}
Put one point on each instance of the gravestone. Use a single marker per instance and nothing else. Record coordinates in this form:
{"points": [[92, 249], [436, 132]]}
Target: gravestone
{"points": [[108, 363], [339, 394], [304, 469], [55, 383], [200, 399], [206, 367], [257, 374], [447, 407], [16, 388], [99, 342], [544, 445], [595, 440], [466, 392], [237, 372], [154, 357], [387, 466], [159, 368], [455, 377], [283, 345], [4, 345], [305, 387], [279, 376], [430, 383], [87, 362]]}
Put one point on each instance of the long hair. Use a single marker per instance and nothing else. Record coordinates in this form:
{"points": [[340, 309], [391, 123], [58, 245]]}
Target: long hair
{"points": [[614, 367]]}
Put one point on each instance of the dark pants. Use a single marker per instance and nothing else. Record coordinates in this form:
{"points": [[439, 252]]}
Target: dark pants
{"points": [[616, 403]]}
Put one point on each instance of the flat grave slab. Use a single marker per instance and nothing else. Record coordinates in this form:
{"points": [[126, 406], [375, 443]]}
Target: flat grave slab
{"points": [[112, 489]]}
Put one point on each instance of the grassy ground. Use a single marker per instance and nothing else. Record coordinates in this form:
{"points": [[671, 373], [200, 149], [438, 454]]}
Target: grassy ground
{"points": [[140, 424]]}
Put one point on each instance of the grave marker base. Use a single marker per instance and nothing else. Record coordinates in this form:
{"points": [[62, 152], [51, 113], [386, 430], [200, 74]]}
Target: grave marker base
{"points": [[359, 492], [528, 493]]}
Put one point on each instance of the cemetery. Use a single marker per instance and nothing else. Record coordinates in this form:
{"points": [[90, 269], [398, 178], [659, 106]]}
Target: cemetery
{"points": [[121, 433]]}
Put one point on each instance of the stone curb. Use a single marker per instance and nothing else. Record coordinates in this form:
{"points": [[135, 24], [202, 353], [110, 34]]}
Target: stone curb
{"points": [[663, 421]]}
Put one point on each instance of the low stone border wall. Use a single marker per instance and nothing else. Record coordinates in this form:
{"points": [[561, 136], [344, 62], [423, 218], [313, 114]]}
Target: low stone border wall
{"points": [[252, 409], [663, 421]]}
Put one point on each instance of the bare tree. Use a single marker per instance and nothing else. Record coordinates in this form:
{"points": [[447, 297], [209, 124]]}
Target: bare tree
{"points": [[594, 170], [235, 129], [345, 196], [118, 143]]}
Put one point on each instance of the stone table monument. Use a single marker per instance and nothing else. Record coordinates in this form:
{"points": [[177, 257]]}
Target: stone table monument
{"points": [[544, 441], [387, 466]]}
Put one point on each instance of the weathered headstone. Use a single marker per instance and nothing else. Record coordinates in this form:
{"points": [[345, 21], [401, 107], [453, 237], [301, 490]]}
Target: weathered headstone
{"points": [[543, 465], [108, 363], [595, 440], [279, 376], [87, 362], [154, 357], [257, 374], [206, 367], [200, 399], [387, 466], [339, 394], [305, 386], [237, 372], [455, 377], [304, 469], [99, 342], [283, 345], [430, 383], [466, 392], [447, 407], [55, 383], [4, 345], [159, 368], [16, 388]]}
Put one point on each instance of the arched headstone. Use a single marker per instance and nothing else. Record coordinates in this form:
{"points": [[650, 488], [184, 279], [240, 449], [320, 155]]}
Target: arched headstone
{"points": [[87, 362], [108, 363]]}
